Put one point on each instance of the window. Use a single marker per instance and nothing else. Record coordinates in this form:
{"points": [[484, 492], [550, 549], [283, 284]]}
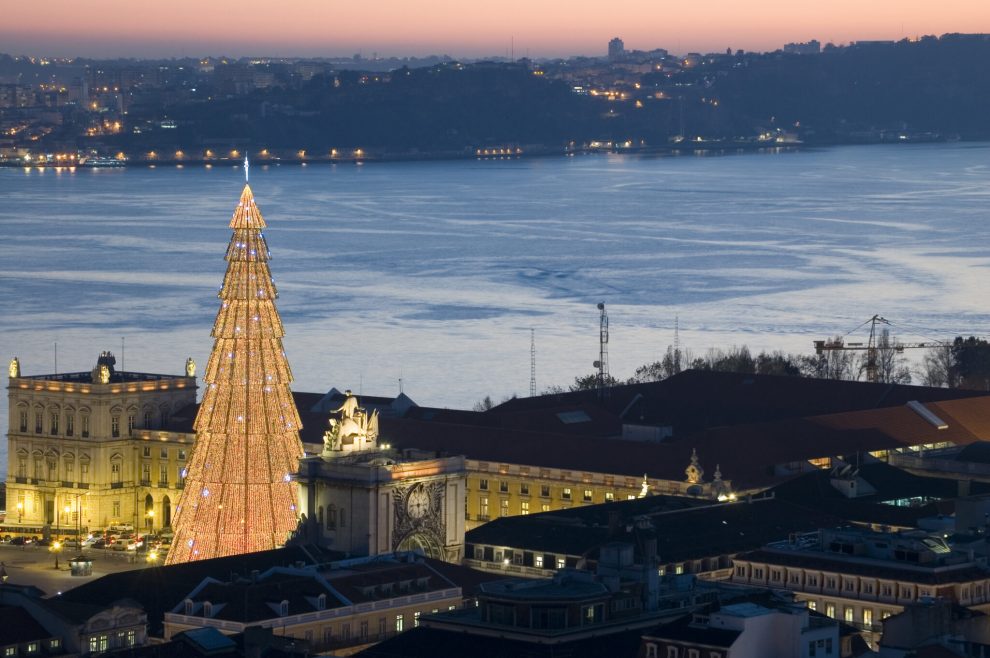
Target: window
{"points": [[651, 650], [54, 423], [885, 613], [130, 424], [115, 471], [147, 451], [609, 497], [52, 469], [867, 617], [561, 563], [483, 484], [672, 652], [21, 467], [483, 507], [524, 489], [115, 426], [32, 647], [503, 486], [812, 605], [24, 428], [679, 569], [830, 609], [524, 507], [146, 472], [147, 420], [545, 490], [587, 495], [163, 473], [545, 507], [740, 571], [84, 473], [363, 630], [70, 422], [116, 509], [503, 507], [538, 561], [68, 470], [163, 453], [381, 627], [416, 619], [566, 493], [37, 423], [99, 643], [848, 613], [398, 623], [85, 426], [182, 453]]}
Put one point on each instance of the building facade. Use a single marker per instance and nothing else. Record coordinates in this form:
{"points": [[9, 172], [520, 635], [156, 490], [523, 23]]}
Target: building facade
{"points": [[88, 450], [342, 605], [862, 577], [363, 498]]}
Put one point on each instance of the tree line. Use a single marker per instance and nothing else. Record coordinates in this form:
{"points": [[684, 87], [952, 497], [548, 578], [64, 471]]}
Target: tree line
{"points": [[963, 363]]}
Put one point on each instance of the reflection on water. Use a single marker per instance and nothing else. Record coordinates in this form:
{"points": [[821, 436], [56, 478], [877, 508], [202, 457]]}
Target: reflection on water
{"points": [[434, 272]]}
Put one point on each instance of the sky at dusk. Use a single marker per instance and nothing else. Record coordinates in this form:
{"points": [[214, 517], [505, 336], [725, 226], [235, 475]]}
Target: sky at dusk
{"points": [[538, 28]]}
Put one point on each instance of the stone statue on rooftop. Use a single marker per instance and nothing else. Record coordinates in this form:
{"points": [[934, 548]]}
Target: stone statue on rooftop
{"points": [[15, 367], [190, 367], [349, 407], [355, 430]]}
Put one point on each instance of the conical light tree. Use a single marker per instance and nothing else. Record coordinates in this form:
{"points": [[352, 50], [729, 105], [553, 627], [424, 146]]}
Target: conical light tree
{"points": [[239, 495]]}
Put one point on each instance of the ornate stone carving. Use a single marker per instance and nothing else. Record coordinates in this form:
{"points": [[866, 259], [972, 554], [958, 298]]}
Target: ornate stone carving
{"points": [[355, 430], [694, 472], [419, 519]]}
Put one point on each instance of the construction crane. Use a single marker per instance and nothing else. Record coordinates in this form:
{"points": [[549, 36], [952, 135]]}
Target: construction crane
{"points": [[871, 349], [603, 379]]}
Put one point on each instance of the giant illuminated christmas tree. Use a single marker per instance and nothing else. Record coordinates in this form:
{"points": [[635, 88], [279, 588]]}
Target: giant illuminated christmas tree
{"points": [[239, 494]]}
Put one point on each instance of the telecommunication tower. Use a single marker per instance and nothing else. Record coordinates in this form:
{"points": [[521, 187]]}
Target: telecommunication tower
{"points": [[602, 362], [532, 363]]}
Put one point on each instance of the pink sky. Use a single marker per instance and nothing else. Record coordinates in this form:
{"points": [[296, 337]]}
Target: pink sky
{"points": [[540, 28]]}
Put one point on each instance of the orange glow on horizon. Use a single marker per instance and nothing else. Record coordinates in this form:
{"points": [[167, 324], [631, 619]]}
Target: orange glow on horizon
{"points": [[545, 29]]}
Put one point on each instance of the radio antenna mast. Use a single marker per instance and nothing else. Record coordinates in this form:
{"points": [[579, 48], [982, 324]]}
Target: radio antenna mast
{"points": [[532, 363]]}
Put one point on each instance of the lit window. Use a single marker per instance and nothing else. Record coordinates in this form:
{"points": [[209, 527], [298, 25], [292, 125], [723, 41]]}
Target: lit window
{"points": [[524, 507], [538, 561], [566, 494], [587, 495], [398, 623], [483, 506], [503, 508], [560, 563], [609, 497]]}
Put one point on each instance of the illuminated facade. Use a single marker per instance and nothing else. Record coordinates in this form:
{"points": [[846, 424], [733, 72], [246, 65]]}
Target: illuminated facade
{"points": [[367, 499], [89, 449], [239, 495]]}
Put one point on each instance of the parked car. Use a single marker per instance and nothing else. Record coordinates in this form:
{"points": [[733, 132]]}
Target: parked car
{"points": [[18, 541], [100, 543]]}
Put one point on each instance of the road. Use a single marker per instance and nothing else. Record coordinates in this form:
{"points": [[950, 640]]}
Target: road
{"points": [[35, 565]]}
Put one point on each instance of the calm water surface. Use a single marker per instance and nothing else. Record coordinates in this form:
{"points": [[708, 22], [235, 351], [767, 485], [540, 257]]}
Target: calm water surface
{"points": [[435, 272]]}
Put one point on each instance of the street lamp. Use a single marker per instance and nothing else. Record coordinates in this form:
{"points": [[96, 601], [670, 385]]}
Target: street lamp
{"points": [[20, 512], [56, 547], [151, 519]]}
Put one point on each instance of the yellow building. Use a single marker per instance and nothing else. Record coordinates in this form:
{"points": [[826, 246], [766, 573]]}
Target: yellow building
{"points": [[86, 450]]}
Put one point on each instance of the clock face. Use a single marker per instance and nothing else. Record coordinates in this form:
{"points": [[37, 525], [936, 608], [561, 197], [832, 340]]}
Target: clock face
{"points": [[418, 503]]}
